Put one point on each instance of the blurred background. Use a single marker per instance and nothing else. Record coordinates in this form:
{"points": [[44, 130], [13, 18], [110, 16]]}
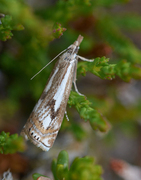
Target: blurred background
{"points": [[38, 31]]}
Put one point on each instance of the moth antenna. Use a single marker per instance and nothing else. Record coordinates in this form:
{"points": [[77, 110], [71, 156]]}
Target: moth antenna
{"points": [[49, 63]]}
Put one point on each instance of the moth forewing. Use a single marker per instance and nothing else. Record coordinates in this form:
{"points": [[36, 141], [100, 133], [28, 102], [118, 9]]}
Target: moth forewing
{"points": [[45, 120]]}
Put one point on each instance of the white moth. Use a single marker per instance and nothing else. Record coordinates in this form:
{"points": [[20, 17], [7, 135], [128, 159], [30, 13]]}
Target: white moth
{"points": [[45, 120]]}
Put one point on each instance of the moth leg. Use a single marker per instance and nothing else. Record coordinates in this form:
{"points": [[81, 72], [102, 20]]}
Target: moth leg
{"points": [[85, 59], [66, 116], [74, 79]]}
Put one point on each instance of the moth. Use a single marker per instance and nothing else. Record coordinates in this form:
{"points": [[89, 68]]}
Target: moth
{"points": [[45, 120]]}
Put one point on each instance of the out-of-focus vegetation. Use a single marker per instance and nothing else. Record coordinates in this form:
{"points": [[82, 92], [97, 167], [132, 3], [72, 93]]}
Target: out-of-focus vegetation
{"points": [[81, 168], [28, 36], [10, 144]]}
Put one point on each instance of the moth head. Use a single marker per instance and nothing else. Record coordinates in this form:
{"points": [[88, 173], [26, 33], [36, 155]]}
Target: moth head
{"points": [[78, 41]]}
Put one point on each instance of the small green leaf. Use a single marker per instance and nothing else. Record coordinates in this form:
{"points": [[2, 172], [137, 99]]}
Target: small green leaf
{"points": [[35, 176], [62, 165], [63, 159], [53, 168], [61, 174]]}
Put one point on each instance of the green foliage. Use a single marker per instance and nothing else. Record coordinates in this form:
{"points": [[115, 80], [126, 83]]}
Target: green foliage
{"points": [[11, 143], [73, 8], [41, 27], [6, 26], [29, 50], [130, 22], [35, 176], [101, 68], [87, 112], [119, 42], [58, 30], [81, 168], [77, 130]]}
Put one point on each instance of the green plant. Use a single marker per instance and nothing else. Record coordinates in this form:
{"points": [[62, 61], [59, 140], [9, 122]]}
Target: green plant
{"points": [[80, 169], [25, 52], [11, 143]]}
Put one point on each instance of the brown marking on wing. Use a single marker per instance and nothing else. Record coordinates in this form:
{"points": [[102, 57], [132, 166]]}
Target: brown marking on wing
{"points": [[53, 113], [51, 141], [49, 104], [43, 95]]}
